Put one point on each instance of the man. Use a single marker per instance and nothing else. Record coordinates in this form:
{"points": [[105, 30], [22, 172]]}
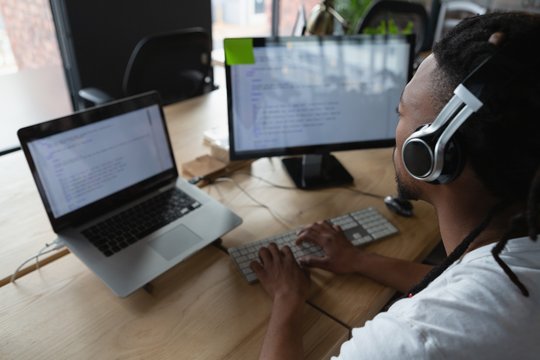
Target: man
{"points": [[483, 302]]}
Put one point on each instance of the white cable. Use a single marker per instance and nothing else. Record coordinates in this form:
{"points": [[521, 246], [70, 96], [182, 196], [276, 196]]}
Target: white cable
{"points": [[275, 215], [48, 248], [56, 245], [284, 187], [295, 188]]}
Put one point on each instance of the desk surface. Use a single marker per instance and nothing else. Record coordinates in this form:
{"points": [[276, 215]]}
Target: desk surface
{"points": [[197, 310], [64, 309]]}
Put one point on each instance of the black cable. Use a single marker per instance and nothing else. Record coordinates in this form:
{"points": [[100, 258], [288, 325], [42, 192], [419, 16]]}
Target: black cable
{"points": [[376, 196]]}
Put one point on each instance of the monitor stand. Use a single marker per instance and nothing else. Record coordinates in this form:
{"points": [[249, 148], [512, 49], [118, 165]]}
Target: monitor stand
{"points": [[317, 171]]}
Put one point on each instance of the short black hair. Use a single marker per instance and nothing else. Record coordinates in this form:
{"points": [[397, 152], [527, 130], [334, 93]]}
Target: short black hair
{"points": [[502, 140]]}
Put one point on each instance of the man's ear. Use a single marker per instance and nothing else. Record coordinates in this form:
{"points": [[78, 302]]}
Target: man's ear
{"points": [[497, 38]]}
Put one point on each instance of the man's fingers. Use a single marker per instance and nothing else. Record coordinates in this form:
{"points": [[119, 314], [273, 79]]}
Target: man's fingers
{"points": [[287, 252], [256, 267], [269, 255], [313, 228], [265, 255], [308, 235], [274, 250]]}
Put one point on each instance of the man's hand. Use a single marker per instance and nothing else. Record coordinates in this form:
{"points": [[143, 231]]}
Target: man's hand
{"points": [[288, 286], [280, 275], [341, 257]]}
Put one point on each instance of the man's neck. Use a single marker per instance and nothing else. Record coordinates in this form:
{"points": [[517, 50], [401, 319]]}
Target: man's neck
{"points": [[462, 206], [459, 218]]}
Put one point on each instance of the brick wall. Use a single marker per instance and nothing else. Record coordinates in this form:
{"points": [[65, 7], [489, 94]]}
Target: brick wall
{"points": [[30, 28]]}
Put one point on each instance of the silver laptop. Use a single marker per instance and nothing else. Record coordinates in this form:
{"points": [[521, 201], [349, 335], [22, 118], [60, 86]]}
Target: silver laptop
{"points": [[108, 180]]}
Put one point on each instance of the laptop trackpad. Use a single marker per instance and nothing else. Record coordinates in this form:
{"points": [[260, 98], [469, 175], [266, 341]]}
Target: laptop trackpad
{"points": [[174, 242]]}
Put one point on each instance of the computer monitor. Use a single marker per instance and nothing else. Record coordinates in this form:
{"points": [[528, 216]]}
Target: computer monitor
{"points": [[314, 95]]}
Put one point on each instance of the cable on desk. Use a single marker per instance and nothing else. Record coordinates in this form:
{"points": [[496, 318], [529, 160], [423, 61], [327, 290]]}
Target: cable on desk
{"points": [[295, 188], [197, 179], [48, 248], [376, 196], [268, 182], [275, 215]]}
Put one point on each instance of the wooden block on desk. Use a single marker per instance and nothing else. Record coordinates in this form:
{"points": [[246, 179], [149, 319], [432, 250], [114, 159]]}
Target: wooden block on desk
{"points": [[200, 309], [203, 166]]}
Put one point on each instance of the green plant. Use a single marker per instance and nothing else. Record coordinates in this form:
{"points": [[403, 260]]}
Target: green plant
{"points": [[389, 27], [352, 11]]}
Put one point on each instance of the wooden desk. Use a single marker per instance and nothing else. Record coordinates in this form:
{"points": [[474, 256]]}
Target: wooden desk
{"points": [[197, 310], [202, 308]]}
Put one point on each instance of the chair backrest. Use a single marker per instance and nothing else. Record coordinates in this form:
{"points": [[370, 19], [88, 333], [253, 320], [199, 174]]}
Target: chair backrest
{"points": [[401, 12], [452, 12], [176, 64]]}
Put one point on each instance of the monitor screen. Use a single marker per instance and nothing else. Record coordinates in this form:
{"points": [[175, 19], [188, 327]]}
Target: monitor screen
{"points": [[314, 95]]}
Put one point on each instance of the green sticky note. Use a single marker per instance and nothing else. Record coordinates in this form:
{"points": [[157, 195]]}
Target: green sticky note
{"points": [[239, 51]]}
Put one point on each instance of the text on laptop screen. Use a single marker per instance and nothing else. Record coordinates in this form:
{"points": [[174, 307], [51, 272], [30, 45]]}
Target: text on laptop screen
{"points": [[316, 92], [80, 166]]}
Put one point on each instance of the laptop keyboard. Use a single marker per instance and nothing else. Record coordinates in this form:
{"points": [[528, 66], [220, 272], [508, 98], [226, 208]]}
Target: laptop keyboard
{"points": [[125, 228], [360, 227]]}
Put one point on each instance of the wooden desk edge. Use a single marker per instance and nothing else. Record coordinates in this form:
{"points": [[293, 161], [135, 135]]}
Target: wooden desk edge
{"points": [[36, 265]]}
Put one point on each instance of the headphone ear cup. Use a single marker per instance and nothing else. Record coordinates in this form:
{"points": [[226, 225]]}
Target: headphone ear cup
{"points": [[454, 161], [417, 157]]}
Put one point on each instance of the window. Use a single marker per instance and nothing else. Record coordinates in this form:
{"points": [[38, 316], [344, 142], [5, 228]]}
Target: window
{"points": [[27, 35], [259, 6], [236, 18], [32, 86], [7, 60], [288, 12]]}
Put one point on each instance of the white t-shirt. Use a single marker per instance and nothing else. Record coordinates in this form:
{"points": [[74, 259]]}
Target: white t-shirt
{"points": [[471, 311]]}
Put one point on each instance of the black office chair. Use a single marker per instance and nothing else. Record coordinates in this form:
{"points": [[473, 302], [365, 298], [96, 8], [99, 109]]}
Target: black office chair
{"points": [[451, 13], [176, 64], [401, 12]]}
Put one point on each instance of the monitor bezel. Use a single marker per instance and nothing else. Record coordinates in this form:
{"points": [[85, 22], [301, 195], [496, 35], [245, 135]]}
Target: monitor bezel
{"points": [[87, 117], [310, 149]]}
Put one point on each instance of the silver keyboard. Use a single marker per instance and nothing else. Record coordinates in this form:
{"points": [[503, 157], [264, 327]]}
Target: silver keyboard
{"points": [[360, 227]]}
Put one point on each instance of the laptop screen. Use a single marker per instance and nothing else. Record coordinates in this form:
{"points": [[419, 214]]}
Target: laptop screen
{"points": [[93, 155], [86, 164]]}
